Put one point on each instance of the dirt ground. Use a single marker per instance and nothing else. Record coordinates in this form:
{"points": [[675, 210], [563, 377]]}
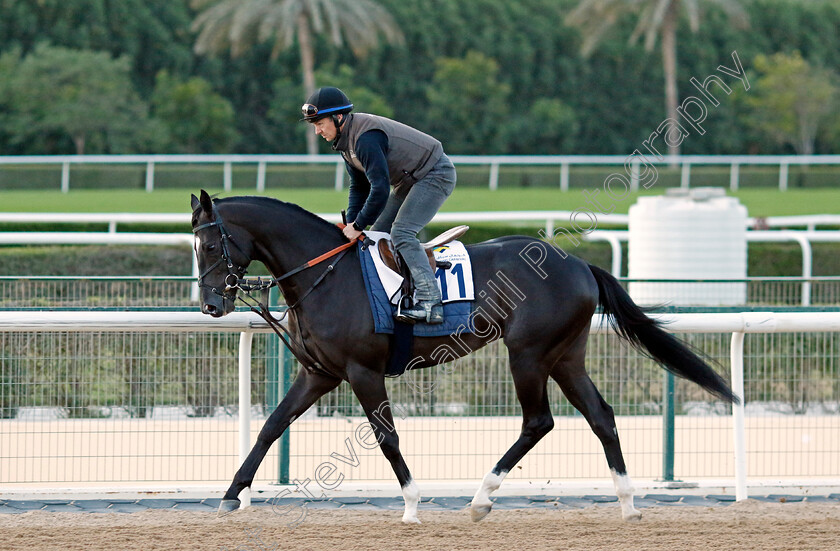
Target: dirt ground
{"points": [[742, 526]]}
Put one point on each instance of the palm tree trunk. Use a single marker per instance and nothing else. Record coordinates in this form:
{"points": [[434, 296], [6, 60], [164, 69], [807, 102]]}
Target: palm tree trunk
{"points": [[669, 63], [307, 63], [79, 142]]}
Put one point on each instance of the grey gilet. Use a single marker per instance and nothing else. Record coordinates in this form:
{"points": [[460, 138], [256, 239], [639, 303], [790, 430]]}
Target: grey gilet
{"points": [[411, 153]]}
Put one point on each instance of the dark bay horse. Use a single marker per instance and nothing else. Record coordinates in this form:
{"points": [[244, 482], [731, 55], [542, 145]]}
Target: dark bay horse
{"points": [[531, 294]]}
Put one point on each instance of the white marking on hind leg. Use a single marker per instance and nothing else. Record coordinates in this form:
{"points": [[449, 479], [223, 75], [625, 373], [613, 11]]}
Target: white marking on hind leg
{"points": [[481, 503], [411, 495], [624, 490]]}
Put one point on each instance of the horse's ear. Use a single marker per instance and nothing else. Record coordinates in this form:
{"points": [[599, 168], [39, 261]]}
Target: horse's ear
{"points": [[194, 203], [206, 202]]}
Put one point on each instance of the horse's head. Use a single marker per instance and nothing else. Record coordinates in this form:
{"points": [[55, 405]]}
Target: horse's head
{"points": [[221, 261]]}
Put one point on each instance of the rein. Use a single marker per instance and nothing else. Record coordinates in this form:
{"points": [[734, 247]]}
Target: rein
{"points": [[260, 307], [260, 284]]}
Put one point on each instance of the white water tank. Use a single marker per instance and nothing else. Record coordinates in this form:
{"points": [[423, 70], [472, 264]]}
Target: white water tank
{"points": [[688, 234]]}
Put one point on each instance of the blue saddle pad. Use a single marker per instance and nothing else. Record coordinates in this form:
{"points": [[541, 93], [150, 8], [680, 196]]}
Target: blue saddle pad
{"points": [[456, 315]]}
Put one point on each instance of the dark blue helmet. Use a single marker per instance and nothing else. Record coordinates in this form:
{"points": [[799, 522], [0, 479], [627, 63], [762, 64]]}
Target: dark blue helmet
{"points": [[325, 102]]}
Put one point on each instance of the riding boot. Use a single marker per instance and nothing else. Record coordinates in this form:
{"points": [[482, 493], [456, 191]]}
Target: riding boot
{"points": [[428, 307], [424, 311]]}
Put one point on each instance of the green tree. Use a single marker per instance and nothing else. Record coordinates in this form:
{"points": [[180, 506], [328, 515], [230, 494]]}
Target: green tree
{"points": [[237, 25], [792, 101], [548, 127], [657, 19], [153, 33], [468, 103], [55, 93], [198, 119]]}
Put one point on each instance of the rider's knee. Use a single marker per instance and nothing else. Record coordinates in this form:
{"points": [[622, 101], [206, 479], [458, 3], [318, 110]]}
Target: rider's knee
{"points": [[402, 236]]}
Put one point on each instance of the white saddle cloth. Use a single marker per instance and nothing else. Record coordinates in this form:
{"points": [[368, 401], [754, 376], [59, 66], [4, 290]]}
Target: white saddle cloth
{"points": [[455, 284]]}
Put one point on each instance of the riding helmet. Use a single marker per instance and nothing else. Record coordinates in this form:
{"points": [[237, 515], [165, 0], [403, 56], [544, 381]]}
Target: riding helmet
{"points": [[325, 102]]}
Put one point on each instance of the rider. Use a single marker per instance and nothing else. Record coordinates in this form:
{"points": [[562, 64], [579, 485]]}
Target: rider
{"points": [[399, 178]]}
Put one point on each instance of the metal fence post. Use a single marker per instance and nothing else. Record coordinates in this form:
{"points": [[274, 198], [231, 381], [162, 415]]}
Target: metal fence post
{"points": [[564, 176], [279, 380], [339, 175], [65, 176], [783, 176], [685, 177], [150, 176], [736, 358], [494, 176], [668, 427], [245, 340], [634, 175], [733, 177], [228, 176], [285, 360], [261, 176]]}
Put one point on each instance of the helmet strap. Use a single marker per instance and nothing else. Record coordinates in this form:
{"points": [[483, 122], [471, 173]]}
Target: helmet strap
{"points": [[337, 124]]}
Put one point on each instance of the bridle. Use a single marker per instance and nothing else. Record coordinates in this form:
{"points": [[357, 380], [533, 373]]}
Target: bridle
{"points": [[233, 277], [235, 280]]}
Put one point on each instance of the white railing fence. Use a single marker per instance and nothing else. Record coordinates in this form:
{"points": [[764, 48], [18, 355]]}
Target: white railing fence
{"points": [[632, 165], [107, 238], [804, 238], [549, 218], [615, 238], [247, 324]]}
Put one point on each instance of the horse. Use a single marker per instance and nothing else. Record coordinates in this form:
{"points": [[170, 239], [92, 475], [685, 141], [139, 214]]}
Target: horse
{"points": [[537, 298]]}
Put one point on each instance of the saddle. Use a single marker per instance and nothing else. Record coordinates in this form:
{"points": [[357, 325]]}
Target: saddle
{"points": [[393, 261]]}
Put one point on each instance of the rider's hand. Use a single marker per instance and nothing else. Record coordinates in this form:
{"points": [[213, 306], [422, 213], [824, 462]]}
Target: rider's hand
{"points": [[350, 232]]}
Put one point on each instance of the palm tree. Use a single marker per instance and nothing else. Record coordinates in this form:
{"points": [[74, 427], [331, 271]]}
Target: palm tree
{"points": [[657, 18], [237, 25]]}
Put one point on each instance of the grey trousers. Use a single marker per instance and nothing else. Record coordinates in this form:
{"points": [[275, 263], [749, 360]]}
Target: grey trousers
{"points": [[406, 214]]}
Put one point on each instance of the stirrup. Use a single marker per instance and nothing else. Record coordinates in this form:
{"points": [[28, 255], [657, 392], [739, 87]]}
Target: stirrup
{"points": [[423, 311]]}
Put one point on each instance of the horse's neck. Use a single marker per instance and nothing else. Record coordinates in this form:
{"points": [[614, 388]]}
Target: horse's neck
{"points": [[284, 238]]}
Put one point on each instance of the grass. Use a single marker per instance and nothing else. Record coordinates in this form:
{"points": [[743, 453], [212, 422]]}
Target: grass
{"points": [[759, 202]]}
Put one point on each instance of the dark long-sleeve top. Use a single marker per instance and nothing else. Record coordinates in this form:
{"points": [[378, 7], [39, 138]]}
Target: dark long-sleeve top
{"points": [[369, 190]]}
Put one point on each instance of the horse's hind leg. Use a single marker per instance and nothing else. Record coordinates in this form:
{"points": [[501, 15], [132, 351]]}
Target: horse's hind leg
{"points": [[305, 391], [369, 388], [529, 378], [571, 375]]}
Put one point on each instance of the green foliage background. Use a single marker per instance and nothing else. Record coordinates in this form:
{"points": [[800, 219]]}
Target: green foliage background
{"points": [[481, 74]]}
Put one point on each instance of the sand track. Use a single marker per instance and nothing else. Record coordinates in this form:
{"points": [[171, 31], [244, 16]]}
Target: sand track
{"points": [[746, 525]]}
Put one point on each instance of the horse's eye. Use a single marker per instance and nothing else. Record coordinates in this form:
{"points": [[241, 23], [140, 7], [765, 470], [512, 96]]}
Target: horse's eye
{"points": [[210, 247]]}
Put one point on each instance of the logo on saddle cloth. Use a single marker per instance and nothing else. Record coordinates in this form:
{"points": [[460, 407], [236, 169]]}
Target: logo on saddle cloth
{"points": [[450, 263]]}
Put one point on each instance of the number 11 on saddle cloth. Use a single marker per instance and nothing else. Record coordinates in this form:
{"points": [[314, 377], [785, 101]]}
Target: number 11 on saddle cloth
{"points": [[455, 282]]}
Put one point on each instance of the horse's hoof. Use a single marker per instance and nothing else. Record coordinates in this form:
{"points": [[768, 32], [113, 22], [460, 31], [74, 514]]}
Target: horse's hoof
{"points": [[634, 516], [478, 512], [410, 520], [227, 506]]}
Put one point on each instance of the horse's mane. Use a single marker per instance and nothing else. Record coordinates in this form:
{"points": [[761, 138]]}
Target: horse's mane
{"points": [[271, 202]]}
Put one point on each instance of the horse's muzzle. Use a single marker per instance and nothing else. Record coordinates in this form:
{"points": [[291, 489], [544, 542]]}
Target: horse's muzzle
{"points": [[218, 309], [212, 310]]}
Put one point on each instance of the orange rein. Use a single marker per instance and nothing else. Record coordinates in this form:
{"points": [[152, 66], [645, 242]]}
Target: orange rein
{"points": [[335, 251]]}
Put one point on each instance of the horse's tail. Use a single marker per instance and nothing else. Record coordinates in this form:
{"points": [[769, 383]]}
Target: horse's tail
{"points": [[631, 323]]}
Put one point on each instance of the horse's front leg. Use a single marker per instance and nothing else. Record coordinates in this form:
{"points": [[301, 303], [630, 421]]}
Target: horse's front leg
{"points": [[369, 388], [305, 391]]}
